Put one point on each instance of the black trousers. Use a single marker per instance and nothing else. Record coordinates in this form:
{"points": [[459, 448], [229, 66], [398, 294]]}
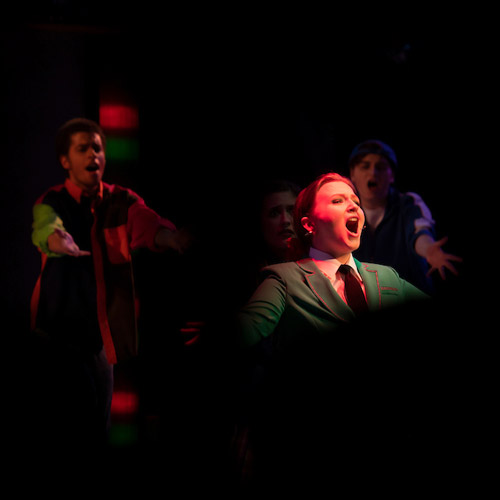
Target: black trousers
{"points": [[67, 398]]}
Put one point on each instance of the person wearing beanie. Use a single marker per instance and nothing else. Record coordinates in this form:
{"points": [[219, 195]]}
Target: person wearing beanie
{"points": [[400, 230]]}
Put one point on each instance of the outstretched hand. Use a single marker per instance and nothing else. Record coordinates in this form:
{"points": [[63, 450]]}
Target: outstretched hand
{"points": [[440, 260], [63, 243], [179, 240]]}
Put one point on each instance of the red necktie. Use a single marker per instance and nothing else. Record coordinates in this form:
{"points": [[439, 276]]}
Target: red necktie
{"points": [[353, 291]]}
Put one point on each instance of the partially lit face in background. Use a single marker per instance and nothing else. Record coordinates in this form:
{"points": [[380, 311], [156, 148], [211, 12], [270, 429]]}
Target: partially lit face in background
{"points": [[372, 177], [277, 220]]}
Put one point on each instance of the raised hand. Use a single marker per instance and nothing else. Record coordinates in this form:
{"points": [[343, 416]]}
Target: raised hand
{"points": [[440, 260]]}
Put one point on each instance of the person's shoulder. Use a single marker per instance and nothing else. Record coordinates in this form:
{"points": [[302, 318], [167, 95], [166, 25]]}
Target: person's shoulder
{"points": [[401, 197], [118, 192], [279, 268], [388, 277], [115, 189], [380, 269], [286, 266], [410, 198], [288, 270], [50, 193]]}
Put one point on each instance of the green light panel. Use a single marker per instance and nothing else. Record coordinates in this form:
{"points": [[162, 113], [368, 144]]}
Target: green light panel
{"points": [[122, 148]]}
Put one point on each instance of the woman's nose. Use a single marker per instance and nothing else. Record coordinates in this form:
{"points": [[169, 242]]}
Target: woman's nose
{"points": [[353, 207], [286, 218]]}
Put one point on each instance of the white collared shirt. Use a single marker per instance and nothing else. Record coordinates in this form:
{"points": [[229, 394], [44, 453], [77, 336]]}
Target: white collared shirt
{"points": [[330, 266]]}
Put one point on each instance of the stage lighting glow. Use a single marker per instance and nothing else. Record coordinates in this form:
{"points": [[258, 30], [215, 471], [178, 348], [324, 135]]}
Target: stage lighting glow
{"points": [[124, 403], [122, 148], [118, 117]]}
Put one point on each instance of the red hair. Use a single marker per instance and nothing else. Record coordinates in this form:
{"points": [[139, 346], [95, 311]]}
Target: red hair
{"points": [[303, 206]]}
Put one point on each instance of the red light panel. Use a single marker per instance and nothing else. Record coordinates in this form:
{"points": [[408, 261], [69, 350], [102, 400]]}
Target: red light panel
{"points": [[124, 403], [118, 116]]}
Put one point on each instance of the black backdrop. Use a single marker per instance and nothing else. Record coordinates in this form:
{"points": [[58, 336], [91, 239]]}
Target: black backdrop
{"points": [[226, 103], [226, 99]]}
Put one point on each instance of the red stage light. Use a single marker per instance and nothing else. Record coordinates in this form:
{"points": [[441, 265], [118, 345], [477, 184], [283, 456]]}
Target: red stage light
{"points": [[124, 403], [118, 116]]}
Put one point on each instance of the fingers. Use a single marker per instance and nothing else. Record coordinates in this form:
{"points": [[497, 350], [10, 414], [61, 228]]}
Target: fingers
{"points": [[441, 242], [454, 257], [441, 260], [441, 268], [74, 251], [80, 253]]}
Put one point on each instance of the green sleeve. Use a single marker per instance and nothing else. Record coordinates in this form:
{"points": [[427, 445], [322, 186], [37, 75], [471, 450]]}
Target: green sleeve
{"points": [[411, 292], [45, 222], [259, 317]]}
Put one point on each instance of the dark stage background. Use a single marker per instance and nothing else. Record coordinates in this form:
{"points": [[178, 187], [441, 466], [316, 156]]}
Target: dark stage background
{"points": [[227, 99], [225, 104]]}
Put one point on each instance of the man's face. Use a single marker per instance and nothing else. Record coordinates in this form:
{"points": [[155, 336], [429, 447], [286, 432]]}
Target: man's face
{"points": [[336, 220], [85, 161], [277, 220], [372, 177]]}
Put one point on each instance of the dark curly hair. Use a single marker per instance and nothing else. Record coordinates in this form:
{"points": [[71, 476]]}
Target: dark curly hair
{"points": [[63, 135]]}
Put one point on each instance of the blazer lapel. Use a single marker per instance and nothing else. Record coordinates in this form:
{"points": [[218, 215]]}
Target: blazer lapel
{"points": [[324, 291], [372, 285]]}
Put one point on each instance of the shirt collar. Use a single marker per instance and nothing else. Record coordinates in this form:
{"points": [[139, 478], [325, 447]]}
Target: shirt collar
{"points": [[77, 192], [327, 261]]}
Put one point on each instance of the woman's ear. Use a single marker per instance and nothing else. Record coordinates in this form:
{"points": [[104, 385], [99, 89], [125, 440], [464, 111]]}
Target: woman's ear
{"points": [[308, 225]]}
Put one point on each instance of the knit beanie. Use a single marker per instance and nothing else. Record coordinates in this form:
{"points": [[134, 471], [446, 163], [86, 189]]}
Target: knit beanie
{"points": [[373, 147]]}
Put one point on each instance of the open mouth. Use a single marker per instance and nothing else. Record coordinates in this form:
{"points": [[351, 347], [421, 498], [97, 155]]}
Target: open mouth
{"points": [[372, 184], [352, 225], [92, 168]]}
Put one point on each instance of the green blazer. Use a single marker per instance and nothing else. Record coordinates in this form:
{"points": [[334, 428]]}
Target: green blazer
{"points": [[296, 301]]}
